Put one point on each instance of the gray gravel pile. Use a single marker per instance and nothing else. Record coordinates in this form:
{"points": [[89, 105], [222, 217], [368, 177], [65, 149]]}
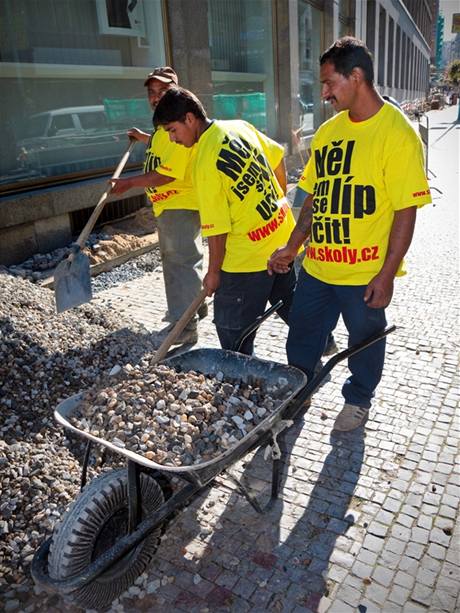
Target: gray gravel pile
{"points": [[41, 265], [133, 269], [44, 358]]}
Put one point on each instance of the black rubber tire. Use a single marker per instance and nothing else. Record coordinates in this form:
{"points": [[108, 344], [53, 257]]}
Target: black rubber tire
{"points": [[93, 523]]}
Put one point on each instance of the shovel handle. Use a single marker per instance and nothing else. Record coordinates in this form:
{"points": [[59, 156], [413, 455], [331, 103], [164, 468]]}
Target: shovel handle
{"points": [[180, 325], [81, 240]]}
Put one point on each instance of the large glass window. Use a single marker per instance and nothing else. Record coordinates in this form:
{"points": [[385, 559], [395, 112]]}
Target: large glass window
{"points": [[390, 52], [346, 17], [71, 76], [310, 27], [382, 41], [241, 45]]}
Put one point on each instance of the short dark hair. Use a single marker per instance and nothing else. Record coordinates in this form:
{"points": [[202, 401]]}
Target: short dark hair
{"points": [[174, 106], [348, 53]]}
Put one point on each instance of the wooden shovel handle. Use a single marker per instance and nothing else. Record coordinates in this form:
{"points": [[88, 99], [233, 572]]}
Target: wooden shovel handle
{"points": [[81, 240], [180, 325]]}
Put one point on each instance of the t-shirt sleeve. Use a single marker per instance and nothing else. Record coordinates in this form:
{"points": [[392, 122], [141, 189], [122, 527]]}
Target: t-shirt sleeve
{"points": [[212, 199], [174, 159], [308, 178], [405, 176]]}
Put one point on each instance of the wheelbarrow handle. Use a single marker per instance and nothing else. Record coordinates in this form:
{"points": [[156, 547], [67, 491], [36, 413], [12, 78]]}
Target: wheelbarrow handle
{"points": [[255, 324], [81, 240]]}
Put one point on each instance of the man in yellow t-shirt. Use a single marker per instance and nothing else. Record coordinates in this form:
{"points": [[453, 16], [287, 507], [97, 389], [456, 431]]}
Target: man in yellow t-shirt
{"points": [[240, 180], [363, 183], [168, 184]]}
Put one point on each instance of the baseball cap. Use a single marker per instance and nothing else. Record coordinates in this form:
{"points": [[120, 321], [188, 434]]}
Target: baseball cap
{"points": [[165, 74]]}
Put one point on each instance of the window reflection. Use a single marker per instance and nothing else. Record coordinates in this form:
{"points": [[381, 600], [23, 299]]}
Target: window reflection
{"points": [[309, 52], [240, 34], [72, 84]]}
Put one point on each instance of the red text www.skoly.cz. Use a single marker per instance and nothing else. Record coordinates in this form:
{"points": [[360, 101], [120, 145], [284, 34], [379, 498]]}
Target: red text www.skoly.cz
{"points": [[343, 254], [271, 226]]}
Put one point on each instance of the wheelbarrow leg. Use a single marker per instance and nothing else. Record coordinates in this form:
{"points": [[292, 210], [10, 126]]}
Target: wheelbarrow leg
{"points": [[134, 502], [277, 467], [84, 468]]}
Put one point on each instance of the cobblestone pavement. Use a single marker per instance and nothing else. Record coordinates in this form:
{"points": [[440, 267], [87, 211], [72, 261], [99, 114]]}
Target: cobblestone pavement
{"points": [[366, 521]]}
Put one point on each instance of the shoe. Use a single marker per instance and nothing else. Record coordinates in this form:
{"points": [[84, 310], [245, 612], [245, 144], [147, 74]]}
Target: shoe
{"points": [[202, 311], [350, 418], [331, 347], [188, 336]]}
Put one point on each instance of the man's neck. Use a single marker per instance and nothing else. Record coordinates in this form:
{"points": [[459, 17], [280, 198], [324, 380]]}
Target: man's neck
{"points": [[202, 127], [368, 103]]}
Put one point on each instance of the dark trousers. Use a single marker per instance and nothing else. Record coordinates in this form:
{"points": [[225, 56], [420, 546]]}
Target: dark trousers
{"points": [[314, 313], [242, 297]]}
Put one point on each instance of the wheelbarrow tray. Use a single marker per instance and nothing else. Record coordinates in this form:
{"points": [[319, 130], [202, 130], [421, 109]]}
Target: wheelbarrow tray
{"points": [[207, 362]]}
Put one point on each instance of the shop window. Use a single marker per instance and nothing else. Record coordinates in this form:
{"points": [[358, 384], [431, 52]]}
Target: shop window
{"points": [[390, 52], [69, 70], [310, 27], [382, 41], [241, 46], [398, 58], [346, 17], [370, 25]]}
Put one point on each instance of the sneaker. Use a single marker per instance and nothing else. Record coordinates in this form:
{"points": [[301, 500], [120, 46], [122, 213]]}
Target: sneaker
{"points": [[202, 311], [331, 346], [188, 336], [350, 418]]}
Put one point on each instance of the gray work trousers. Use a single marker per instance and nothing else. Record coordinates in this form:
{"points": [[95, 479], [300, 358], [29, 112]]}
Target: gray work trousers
{"points": [[182, 257]]}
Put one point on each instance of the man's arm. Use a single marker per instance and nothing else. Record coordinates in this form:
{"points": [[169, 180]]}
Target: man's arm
{"points": [[280, 174], [282, 258], [379, 292], [139, 135], [149, 179], [216, 247]]}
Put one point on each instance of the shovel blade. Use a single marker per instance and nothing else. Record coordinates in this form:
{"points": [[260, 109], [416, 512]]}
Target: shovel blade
{"points": [[72, 282]]}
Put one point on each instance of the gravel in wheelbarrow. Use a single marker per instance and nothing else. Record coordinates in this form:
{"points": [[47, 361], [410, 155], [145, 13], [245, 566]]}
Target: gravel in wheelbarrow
{"points": [[187, 412]]}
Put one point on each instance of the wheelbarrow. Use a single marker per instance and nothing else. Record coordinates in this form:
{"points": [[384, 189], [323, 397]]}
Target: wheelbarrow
{"points": [[109, 535]]}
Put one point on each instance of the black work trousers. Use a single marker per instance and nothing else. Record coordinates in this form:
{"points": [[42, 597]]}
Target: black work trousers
{"points": [[242, 297]]}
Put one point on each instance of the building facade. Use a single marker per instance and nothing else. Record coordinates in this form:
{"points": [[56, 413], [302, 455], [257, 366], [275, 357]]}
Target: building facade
{"points": [[72, 74]]}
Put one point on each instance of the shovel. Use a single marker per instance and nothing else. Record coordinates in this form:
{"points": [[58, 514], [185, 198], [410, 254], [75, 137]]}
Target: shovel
{"points": [[72, 277], [180, 325]]}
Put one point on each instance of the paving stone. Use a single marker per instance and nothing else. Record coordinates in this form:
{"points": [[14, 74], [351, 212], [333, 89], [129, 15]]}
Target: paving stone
{"points": [[244, 588], [349, 595], [441, 602], [399, 595], [395, 545], [439, 537], [422, 594], [338, 606], [419, 535], [377, 529], [377, 593], [414, 550], [365, 556], [373, 543], [405, 520], [362, 570], [413, 607]]}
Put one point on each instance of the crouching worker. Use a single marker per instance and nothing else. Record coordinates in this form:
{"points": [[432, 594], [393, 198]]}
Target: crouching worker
{"points": [[239, 179]]}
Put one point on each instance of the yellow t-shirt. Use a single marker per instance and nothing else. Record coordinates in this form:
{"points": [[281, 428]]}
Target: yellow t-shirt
{"points": [[360, 173], [174, 161], [239, 195]]}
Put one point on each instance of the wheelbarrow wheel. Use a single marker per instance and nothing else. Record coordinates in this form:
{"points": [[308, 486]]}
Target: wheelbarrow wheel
{"points": [[93, 524]]}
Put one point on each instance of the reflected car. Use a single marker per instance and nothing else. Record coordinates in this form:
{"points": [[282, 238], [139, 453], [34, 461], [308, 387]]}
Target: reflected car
{"points": [[73, 139]]}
